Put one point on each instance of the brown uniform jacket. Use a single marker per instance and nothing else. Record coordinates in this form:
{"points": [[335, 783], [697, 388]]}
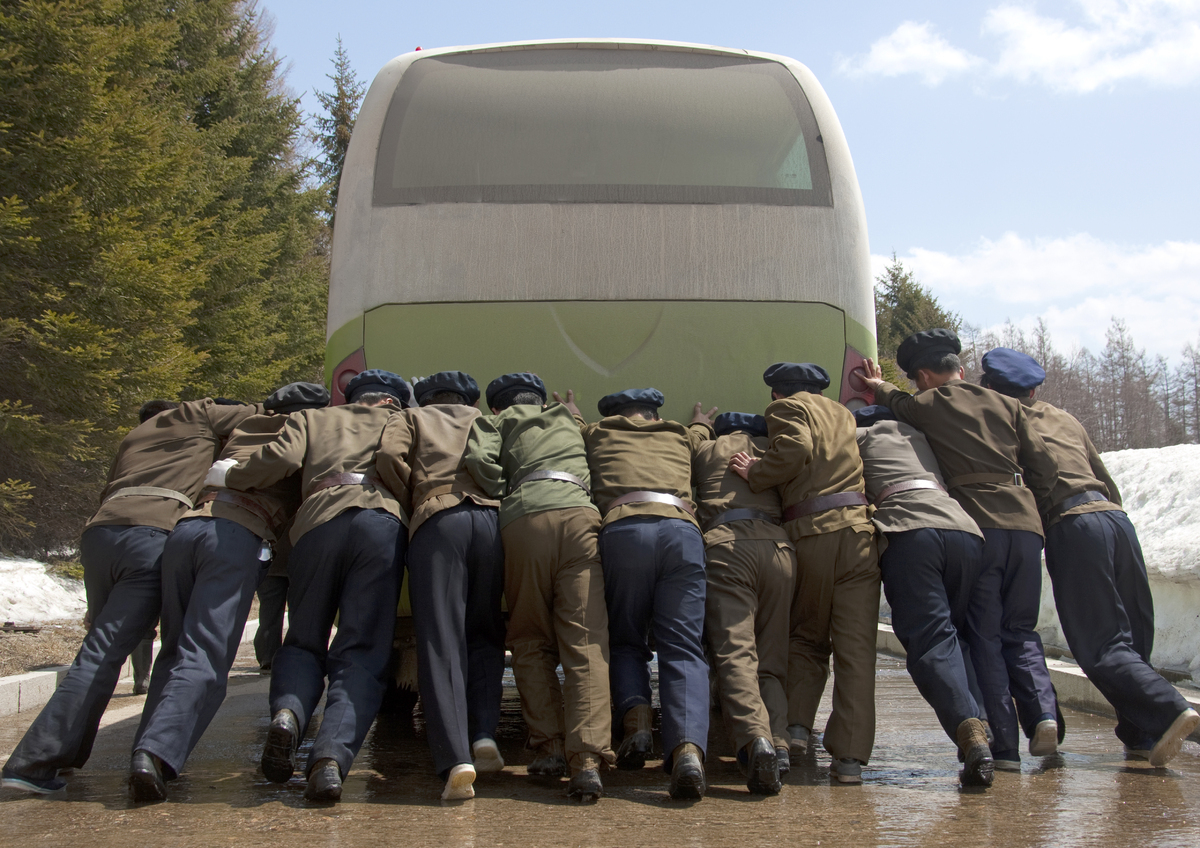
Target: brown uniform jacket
{"points": [[421, 459], [974, 430], [264, 512], [632, 455], [894, 452], [1080, 468], [718, 489], [812, 453], [173, 450], [319, 443]]}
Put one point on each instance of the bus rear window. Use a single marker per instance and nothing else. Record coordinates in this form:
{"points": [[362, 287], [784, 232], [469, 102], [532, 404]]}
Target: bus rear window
{"points": [[600, 126]]}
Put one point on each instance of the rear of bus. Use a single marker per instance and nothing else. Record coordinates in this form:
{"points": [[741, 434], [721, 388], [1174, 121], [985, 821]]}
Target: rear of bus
{"points": [[607, 214]]}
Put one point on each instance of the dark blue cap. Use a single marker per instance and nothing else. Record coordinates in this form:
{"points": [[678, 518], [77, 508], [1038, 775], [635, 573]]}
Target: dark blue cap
{"points": [[926, 344], [1008, 368], [377, 380], [524, 380], [731, 422], [447, 381], [867, 415], [297, 396], [808, 373], [609, 404]]}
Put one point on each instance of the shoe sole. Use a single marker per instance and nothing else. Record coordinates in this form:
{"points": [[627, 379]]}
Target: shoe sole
{"points": [[21, 783], [327, 795], [979, 771], [145, 789], [1007, 765], [279, 755], [460, 787], [632, 753], [489, 765], [848, 779], [1045, 739], [689, 789], [1171, 743], [764, 775]]}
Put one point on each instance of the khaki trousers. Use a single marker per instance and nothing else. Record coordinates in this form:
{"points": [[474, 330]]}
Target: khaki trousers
{"points": [[750, 587], [555, 591], [835, 609]]}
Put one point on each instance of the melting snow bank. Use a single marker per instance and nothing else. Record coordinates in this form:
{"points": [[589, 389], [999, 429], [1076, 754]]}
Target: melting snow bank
{"points": [[28, 594], [1160, 489]]}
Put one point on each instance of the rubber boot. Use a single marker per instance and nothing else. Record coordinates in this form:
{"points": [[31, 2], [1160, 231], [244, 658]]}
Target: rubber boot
{"points": [[637, 742]]}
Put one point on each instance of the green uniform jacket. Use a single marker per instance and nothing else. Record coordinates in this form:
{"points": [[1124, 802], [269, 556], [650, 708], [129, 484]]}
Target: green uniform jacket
{"points": [[319, 443], [974, 430], [279, 500], [503, 449], [1080, 468], [632, 455], [718, 489], [812, 453], [421, 457], [173, 450]]}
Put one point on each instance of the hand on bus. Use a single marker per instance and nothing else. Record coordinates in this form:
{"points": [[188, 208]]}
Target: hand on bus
{"points": [[870, 373], [740, 464], [569, 403], [701, 417]]}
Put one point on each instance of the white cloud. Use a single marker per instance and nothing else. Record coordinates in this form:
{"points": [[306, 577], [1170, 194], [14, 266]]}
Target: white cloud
{"points": [[1112, 41], [1076, 284], [911, 49]]}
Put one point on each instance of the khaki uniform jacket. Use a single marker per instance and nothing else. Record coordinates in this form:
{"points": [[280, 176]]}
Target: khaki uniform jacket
{"points": [[319, 443], [279, 500], [632, 455], [173, 450], [974, 430], [503, 449], [894, 452], [718, 489], [812, 453], [421, 459], [1080, 468]]}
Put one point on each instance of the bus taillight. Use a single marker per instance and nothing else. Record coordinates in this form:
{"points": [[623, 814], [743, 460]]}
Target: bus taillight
{"points": [[343, 373], [855, 394]]}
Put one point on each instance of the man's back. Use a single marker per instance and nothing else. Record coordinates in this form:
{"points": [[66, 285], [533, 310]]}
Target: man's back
{"points": [[719, 489], [1080, 468]]}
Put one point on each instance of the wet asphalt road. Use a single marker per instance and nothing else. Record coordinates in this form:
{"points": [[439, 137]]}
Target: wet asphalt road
{"points": [[1088, 796]]}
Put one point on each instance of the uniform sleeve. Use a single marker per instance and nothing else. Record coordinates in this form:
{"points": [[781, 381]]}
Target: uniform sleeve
{"points": [[907, 407], [224, 419], [698, 433], [1101, 472], [1038, 465], [790, 448], [275, 460], [391, 460], [482, 459]]}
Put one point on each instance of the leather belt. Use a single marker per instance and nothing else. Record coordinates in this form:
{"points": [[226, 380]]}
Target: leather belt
{"points": [[247, 503], [650, 497], [740, 515], [550, 475], [823, 503], [906, 486], [152, 492], [1074, 501], [345, 479], [975, 479]]}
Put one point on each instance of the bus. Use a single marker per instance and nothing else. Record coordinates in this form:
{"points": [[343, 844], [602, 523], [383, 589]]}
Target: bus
{"points": [[607, 213]]}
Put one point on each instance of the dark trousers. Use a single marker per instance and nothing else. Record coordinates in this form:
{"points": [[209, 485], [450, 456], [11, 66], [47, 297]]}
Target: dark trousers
{"points": [[210, 568], [272, 599], [928, 577], [121, 578], [654, 578], [1005, 647], [348, 567], [456, 581], [1107, 614]]}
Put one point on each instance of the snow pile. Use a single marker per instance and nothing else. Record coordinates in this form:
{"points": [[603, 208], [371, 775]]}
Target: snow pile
{"points": [[28, 594]]}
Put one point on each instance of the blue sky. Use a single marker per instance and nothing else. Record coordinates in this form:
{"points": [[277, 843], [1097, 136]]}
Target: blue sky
{"points": [[1026, 159]]}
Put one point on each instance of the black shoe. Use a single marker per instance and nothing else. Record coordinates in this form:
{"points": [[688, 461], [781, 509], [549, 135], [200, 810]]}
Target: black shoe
{"points": [[9, 779], [324, 782], [633, 750], [585, 787], [549, 765], [687, 773], [279, 752], [762, 766], [145, 778], [785, 761]]}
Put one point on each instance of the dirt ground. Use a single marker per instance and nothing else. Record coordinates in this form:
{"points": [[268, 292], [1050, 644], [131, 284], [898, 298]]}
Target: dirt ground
{"points": [[55, 643]]}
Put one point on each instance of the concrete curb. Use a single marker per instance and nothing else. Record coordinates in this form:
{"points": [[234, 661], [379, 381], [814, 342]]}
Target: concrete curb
{"points": [[20, 692], [1073, 688]]}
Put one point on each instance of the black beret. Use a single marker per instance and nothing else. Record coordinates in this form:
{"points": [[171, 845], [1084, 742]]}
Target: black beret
{"points": [[447, 381], [796, 372], [730, 422], [297, 396], [1010, 368], [868, 415], [377, 380], [518, 380], [609, 404], [223, 401], [924, 345]]}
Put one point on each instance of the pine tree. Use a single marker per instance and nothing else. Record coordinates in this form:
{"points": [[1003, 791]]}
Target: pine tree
{"points": [[335, 126], [902, 307]]}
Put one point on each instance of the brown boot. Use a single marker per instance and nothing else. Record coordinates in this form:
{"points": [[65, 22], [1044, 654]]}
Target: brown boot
{"points": [[687, 772], [978, 766], [550, 761], [585, 786], [637, 741]]}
